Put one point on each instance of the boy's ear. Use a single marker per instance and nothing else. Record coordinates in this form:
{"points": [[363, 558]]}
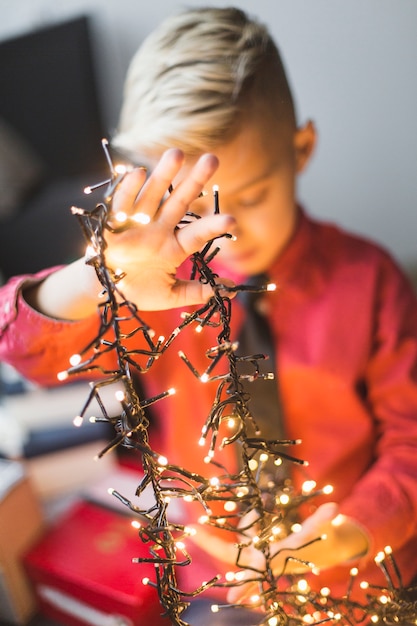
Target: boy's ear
{"points": [[304, 143]]}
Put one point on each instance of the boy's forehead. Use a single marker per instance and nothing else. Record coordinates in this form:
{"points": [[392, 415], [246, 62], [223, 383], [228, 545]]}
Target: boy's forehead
{"points": [[249, 158]]}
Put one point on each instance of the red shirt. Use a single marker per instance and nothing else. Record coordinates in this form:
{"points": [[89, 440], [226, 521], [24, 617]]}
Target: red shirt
{"points": [[345, 322]]}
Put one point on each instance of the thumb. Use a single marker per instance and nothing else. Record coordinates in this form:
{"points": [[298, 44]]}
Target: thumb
{"points": [[324, 514]]}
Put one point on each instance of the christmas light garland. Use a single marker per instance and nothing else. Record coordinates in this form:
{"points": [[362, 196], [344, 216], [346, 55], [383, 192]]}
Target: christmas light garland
{"points": [[244, 495]]}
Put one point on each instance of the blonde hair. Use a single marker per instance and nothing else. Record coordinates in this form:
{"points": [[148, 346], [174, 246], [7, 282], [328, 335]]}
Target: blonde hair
{"points": [[194, 77]]}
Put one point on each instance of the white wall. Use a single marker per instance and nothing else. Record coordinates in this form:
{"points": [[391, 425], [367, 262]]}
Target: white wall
{"points": [[353, 67]]}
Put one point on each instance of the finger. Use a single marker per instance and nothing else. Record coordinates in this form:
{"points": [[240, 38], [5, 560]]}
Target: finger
{"points": [[313, 528], [324, 514], [190, 292], [126, 193], [221, 549], [156, 187], [249, 520], [240, 594], [173, 210], [195, 235]]}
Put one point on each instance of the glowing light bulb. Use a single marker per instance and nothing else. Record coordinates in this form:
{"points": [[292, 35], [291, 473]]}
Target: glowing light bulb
{"points": [[62, 375], [120, 395], [214, 608], [308, 486], [284, 498], [204, 378], [230, 506], [90, 252], [271, 287], [263, 457], [75, 359], [380, 557], [273, 621], [145, 581], [255, 598], [214, 481], [230, 576], [120, 217], [135, 524], [77, 421], [253, 464], [328, 489], [325, 591], [162, 460]]}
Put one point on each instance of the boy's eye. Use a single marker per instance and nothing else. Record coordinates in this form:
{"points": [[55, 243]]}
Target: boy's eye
{"points": [[253, 199]]}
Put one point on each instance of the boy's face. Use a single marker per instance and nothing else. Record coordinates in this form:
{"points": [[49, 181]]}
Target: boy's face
{"points": [[256, 179]]}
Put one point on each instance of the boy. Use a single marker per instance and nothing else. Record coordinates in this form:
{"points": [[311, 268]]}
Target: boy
{"points": [[344, 319]]}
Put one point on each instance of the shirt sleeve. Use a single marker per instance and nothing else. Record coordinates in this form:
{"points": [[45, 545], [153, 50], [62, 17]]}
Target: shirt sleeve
{"points": [[384, 500], [39, 347]]}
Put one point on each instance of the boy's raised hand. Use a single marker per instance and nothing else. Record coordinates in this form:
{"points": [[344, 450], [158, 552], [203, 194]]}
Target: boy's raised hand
{"points": [[150, 253]]}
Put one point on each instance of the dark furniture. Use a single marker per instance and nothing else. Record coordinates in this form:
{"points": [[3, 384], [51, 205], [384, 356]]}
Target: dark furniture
{"points": [[49, 102]]}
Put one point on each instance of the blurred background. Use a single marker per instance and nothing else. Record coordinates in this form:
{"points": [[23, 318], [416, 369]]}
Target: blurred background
{"points": [[353, 69]]}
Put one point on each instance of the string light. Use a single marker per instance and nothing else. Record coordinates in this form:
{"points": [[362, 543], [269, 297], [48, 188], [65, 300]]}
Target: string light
{"points": [[239, 494]]}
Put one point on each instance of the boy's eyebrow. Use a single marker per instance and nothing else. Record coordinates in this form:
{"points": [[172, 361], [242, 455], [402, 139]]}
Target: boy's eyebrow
{"points": [[251, 183]]}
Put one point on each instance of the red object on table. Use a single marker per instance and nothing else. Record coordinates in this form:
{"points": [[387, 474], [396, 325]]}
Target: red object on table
{"points": [[82, 571]]}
